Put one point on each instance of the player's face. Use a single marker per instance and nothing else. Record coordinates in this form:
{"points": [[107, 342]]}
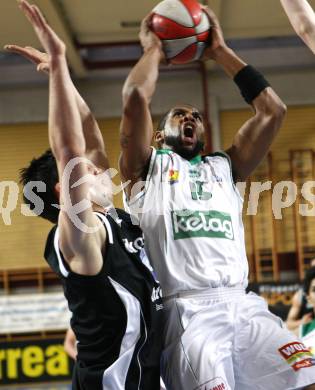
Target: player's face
{"points": [[184, 131], [311, 294], [100, 186]]}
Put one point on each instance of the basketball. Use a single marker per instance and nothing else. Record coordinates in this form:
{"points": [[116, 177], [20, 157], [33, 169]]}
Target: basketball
{"points": [[183, 28]]}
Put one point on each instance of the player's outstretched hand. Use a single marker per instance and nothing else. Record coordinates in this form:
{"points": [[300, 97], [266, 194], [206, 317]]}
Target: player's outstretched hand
{"points": [[37, 57], [50, 41], [147, 37], [216, 40]]}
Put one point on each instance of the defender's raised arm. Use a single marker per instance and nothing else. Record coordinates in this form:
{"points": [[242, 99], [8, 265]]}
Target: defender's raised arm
{"points": [[67, 142]]}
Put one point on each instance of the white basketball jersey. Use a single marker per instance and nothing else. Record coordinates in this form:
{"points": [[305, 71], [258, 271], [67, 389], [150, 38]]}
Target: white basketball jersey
{"points": [[191, 216]]}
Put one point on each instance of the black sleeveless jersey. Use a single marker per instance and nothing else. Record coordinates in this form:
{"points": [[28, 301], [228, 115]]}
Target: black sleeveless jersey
{"points": [[116, 314]]}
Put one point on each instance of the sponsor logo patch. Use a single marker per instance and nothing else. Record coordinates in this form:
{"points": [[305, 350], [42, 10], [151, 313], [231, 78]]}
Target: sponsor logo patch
{"points": [[297, 355], [214, 384], [218, 179], [135, 246], [194, 174], [173, 176], [187, 224], [156, 294], [303, 364]]}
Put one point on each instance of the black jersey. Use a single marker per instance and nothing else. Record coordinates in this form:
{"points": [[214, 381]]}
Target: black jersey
{"points": [[116, 314]]}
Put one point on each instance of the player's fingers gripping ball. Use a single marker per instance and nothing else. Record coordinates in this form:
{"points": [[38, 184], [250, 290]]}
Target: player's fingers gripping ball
{"points": [[183, 27]]}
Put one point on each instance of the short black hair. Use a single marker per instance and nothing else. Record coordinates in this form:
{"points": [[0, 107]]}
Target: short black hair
{"points": [[44, 169], [309, 276]]}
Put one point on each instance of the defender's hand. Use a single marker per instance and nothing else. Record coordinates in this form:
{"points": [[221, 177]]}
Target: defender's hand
{"points": [[52, 44], [37, 57]]}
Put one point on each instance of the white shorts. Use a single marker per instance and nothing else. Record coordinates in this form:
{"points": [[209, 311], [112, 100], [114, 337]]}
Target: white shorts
{"points": [[228, 340]]}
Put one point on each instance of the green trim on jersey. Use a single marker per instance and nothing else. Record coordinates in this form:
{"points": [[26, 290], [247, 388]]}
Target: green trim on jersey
{"points": [[193, 161], [197, 160], [220, 153], [307, 328], [163, 151]]}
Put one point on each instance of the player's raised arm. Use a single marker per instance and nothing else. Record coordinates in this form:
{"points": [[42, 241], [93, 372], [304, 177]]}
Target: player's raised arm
{"points": [[136, 129], [66, 138], [95, 150], [253, 139], [302, 18]]}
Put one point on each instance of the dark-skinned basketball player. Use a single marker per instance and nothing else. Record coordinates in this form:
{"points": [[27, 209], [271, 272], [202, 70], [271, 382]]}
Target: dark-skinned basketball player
{"points": [[217, 336]]}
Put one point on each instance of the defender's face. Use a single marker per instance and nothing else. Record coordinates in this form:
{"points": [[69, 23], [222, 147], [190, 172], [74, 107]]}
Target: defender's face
{"points": [[311, 294], [100, 186], [186, 124]]}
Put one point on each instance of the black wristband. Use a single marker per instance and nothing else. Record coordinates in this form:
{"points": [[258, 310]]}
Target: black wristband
{"points": [[250, 83]]}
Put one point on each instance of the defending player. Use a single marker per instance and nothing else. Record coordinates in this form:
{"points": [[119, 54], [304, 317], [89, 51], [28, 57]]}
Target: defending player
{"points": [[190, 210], [302, 18], [98, 254]]}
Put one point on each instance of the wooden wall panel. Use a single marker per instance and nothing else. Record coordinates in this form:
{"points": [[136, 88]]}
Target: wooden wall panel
{"points": [[297, 132], [22, 242], [110, 131]]}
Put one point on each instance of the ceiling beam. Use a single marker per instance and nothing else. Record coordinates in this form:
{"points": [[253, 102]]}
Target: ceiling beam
{"points": [[56, 20]]}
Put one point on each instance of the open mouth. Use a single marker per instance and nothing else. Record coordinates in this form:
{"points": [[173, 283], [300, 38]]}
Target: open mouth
{"points": [[189, 130]]}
